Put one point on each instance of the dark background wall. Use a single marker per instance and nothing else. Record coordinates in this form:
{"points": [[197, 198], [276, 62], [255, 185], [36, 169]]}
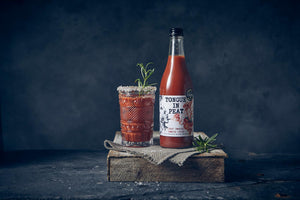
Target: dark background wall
{"points": [[61, 62]]}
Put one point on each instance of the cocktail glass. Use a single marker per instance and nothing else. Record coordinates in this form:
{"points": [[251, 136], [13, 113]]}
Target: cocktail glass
{"points": [[136, 113]]}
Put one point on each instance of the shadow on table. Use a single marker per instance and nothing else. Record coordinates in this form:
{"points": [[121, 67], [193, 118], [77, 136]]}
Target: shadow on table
{"points": [[257, 167], [13, 158]]}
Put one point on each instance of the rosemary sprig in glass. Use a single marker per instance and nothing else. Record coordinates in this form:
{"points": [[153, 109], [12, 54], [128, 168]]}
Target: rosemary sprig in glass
{"points": [[206, 144], [146, 73]]}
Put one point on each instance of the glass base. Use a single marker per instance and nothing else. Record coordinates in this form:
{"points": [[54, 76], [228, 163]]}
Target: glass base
{"points": [[137, 144]]}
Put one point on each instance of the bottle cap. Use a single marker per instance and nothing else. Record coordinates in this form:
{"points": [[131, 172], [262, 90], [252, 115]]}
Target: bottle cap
{"points": [[176, 32]]}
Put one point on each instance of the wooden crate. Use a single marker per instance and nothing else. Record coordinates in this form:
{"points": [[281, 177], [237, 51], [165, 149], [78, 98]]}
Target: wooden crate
{"points": [[206, 167]]}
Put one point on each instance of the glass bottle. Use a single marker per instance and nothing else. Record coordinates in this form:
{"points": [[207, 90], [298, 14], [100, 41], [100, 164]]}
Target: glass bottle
{"points": [[176, 100]]}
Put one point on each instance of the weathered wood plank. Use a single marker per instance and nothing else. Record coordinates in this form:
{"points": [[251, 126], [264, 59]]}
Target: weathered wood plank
{"points": [[195, 170], [206, 167]]}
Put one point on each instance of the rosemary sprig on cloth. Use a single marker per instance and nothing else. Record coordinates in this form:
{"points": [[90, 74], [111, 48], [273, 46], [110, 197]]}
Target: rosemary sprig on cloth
{"points": [[206, 144]]}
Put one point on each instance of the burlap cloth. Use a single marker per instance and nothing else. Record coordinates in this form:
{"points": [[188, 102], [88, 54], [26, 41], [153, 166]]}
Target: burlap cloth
{"points": [[155, 154]]}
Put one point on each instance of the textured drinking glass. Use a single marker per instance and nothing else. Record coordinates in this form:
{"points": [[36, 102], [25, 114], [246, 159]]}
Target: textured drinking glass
{"points": [[136, 113]]}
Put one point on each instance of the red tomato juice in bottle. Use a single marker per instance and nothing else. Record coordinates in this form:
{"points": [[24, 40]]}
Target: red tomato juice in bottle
{"points": [[176, 97]]}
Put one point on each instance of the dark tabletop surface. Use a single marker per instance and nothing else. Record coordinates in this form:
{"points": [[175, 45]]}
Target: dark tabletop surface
{"points": [[83, 175]]}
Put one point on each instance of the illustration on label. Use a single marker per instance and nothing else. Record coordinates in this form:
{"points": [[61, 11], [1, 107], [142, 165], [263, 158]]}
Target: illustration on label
{"points": [[176, 115]]}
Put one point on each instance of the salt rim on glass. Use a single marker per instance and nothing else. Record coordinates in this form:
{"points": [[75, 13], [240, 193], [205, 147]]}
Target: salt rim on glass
{"points": [[136, 90]]}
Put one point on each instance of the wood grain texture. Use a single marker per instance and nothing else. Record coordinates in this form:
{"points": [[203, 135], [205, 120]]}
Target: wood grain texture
{"points": [[206, 167]]}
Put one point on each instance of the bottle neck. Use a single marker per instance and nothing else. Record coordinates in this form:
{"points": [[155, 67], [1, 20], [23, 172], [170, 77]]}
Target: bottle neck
{"points": [[176, 46]]}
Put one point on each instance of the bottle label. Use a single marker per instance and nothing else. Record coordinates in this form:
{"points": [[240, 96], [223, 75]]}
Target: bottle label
{"points": [[176, 115]]}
